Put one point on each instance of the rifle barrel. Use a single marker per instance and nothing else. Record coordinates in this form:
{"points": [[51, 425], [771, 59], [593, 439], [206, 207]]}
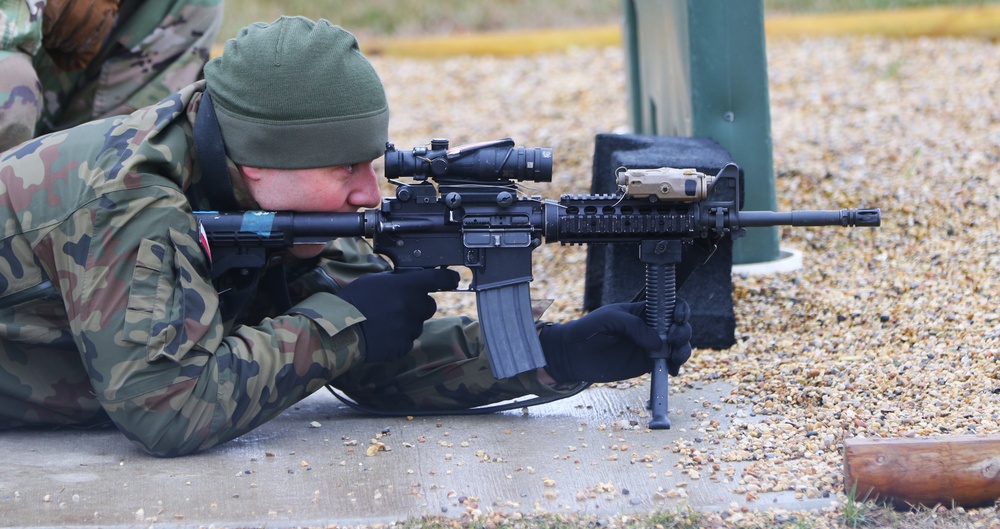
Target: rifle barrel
{"points": [[831, 217]]}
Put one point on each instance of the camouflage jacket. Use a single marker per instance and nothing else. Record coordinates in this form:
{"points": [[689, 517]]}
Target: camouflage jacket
{"points": [[107, 309]]}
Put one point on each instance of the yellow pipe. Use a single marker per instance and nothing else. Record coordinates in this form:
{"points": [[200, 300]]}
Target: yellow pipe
{"points": [[505, 43], [939, 21]]}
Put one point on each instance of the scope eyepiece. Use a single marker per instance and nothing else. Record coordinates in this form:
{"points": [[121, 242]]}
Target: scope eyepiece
{"points": [[490, 162]]}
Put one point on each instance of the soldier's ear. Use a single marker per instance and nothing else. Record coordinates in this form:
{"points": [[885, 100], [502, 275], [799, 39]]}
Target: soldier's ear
{"points": [[256, 181], [255, 174]]}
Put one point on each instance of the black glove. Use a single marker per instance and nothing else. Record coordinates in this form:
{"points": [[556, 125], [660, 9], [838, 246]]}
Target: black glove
{"points": [[395, 306], [304, 283], [679, 338], [612, 343]]}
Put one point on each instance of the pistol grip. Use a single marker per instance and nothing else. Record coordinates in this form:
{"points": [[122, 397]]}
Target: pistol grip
{"points": [[508, 329]]}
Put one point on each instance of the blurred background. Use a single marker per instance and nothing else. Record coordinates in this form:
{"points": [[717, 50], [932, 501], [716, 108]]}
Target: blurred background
{"points": [[385, 18]]}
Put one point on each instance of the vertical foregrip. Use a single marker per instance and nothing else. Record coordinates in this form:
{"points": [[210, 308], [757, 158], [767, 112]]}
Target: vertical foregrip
{"points": [[661, 296]]}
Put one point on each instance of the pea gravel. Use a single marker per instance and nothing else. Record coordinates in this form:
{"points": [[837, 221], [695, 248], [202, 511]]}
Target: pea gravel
{"points": [[888, 332]]}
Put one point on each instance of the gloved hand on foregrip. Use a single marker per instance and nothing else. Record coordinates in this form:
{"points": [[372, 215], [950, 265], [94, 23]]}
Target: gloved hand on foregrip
{"points": [[612, 343], [679, 338], [395, 306]]}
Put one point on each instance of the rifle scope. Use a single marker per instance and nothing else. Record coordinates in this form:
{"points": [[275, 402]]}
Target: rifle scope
{"points": [[491, 162]]}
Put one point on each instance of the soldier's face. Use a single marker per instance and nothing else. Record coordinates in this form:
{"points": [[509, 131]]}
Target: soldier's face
{"points": [[339, 189], [342, 188]]}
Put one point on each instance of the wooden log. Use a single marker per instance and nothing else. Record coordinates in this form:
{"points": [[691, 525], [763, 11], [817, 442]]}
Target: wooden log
{"points": [[960, 470]]}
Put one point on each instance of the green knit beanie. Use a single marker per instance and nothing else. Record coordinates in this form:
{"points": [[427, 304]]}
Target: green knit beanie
{"points": [[297, 94]]}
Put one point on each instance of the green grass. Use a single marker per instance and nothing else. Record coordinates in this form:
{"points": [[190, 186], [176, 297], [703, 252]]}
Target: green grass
{"points": [[856, 511]]}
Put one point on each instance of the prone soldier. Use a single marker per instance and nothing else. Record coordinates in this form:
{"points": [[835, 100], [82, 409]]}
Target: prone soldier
{"points": [[109, 311]]}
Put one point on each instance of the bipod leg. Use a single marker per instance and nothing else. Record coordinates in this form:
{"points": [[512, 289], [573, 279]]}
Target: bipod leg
{"points": [[660, 258]]}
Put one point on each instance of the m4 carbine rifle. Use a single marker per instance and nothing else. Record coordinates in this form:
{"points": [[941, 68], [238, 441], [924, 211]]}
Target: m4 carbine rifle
{"points": [[475, 216]]}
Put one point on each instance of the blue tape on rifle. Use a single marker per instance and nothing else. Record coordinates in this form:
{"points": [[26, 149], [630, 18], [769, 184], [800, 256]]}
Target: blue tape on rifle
{"points": [[259, 222]]}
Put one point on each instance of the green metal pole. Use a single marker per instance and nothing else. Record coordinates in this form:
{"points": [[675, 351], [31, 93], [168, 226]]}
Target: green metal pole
{"points": [[699, 68]]}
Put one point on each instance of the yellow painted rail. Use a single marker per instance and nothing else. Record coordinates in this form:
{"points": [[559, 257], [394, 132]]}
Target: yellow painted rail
{"points": [[976, 21]]}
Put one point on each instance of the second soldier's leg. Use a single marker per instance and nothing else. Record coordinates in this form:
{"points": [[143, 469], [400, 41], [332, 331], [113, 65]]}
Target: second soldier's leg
{"points": [[20, 99]]}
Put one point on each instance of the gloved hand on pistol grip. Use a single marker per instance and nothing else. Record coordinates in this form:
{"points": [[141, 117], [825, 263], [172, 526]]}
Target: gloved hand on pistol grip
{"points": [[395, 306], [612, 343]]}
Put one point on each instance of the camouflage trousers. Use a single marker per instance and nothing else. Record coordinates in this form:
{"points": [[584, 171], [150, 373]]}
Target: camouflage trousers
{"points": [[448, 369]]}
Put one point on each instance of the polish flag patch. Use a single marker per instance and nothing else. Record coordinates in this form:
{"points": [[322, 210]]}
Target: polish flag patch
{"points": [[203, 240]]}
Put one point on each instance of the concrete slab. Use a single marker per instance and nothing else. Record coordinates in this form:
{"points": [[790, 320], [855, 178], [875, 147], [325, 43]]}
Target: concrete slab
{"points": [[312, 466]]}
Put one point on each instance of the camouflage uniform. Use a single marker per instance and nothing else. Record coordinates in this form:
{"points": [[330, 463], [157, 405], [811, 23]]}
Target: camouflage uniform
{"points": [[20, 40], [155, 49], [107, 309]]}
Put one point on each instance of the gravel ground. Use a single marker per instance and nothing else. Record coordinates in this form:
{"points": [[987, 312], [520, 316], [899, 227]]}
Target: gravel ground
{"points": [[888, 332]]}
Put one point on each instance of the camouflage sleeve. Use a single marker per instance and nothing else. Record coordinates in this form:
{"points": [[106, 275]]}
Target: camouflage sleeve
{"points": [[145, 318]]}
